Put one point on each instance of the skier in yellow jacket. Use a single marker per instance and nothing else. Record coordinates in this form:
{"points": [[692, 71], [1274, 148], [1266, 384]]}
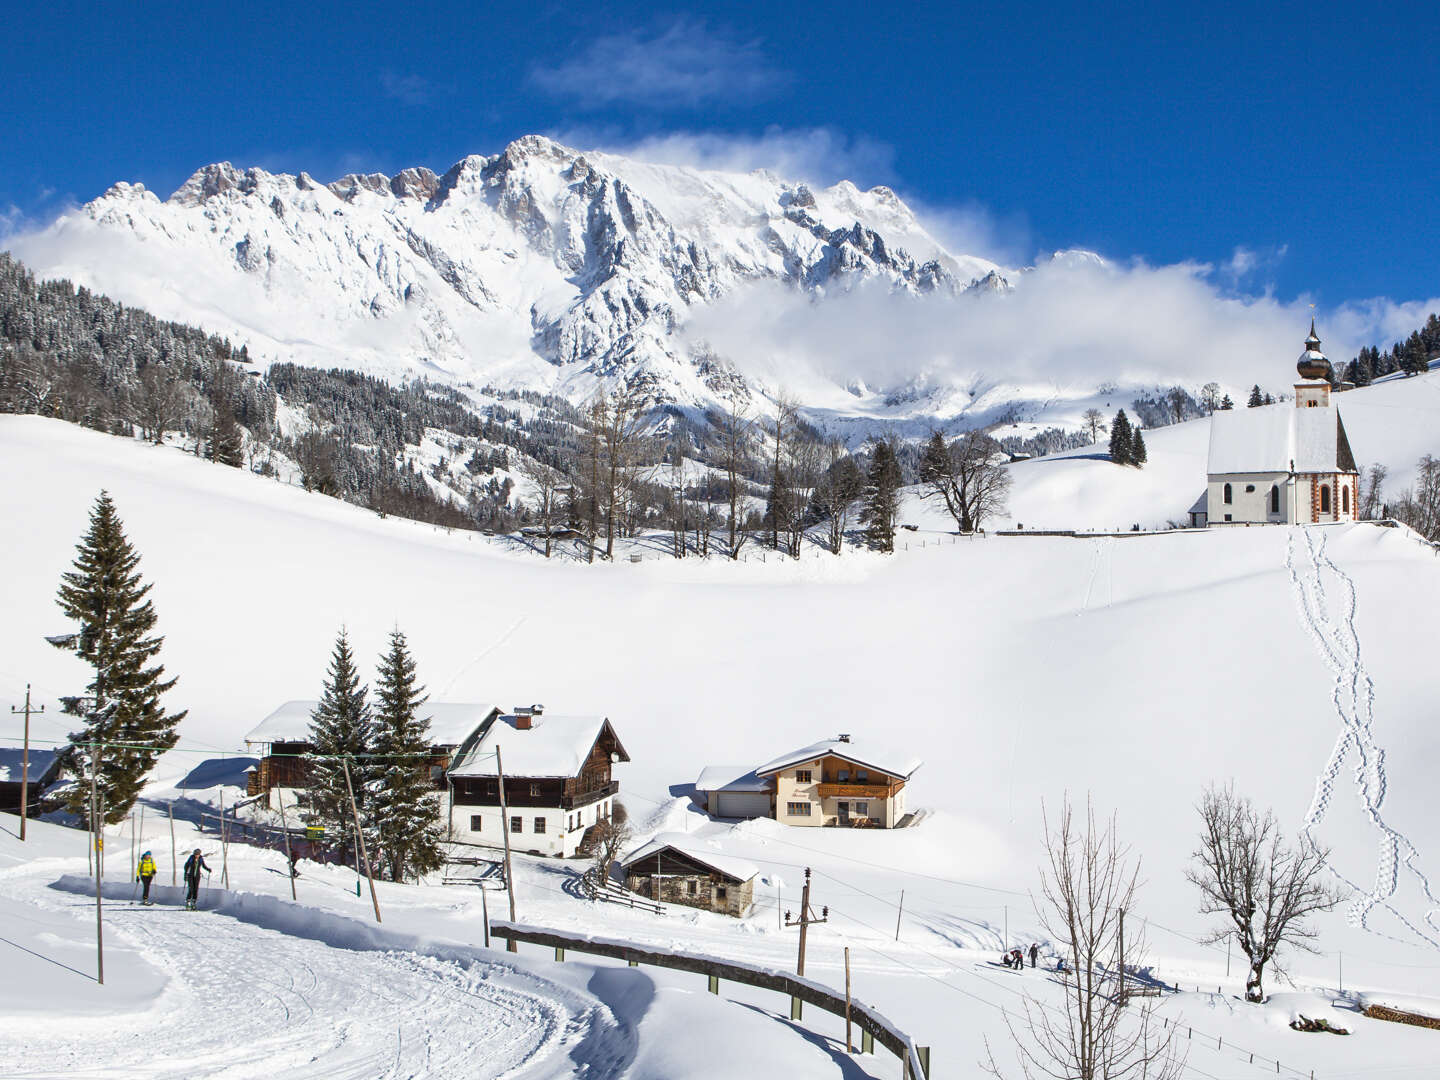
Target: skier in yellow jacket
{"points": [[146, 874]]}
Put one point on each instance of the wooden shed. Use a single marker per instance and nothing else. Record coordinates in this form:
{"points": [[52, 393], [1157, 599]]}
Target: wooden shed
{"points": [[674, 871]]}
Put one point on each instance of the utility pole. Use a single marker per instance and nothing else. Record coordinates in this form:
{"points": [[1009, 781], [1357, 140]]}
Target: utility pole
{"points": [[95, 825], [510, 944], [174, 881], [285, 832], [25, 761], [360, 837], [807, 917], [899, 914], [225, 844]]}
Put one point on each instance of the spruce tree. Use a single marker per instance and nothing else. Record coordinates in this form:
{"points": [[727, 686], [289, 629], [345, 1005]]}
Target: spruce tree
{"points": [[406, 805], [882, 496], [1137, 449], [1256, 398], [342, 732], [105, 595], [1120, 438], [1226, 404]]}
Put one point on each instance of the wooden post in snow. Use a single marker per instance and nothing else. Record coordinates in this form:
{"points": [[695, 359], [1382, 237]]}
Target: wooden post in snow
{"points": [[899, 914], [96, 826], [174, 879], [360, 837], [510, 945], [849, 1043], [285, 832], [224, 844]]}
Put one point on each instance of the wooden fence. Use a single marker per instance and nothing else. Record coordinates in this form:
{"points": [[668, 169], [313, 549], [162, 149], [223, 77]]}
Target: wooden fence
{"points": [[874, 1027]]}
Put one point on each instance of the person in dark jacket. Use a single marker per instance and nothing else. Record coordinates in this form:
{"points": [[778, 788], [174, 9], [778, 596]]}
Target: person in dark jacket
{"points": [[146, 873], [1034, 952], [193, 866]]}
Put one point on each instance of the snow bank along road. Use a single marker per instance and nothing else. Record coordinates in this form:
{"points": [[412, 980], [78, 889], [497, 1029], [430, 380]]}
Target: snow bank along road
{"points": [[250, 1000]]}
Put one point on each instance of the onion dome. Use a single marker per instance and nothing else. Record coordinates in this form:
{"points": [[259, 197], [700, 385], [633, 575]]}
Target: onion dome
{"points": [[1313, 363]]}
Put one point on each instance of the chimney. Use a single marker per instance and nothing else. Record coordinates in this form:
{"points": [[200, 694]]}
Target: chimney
{"points": [[524, 717], [844, 738]]}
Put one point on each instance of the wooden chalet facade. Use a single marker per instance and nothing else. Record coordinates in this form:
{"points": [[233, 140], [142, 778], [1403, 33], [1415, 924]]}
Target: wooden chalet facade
{"points": [[282, 739], [44, 770], [559, 782], [832, 782], [673, 871]]}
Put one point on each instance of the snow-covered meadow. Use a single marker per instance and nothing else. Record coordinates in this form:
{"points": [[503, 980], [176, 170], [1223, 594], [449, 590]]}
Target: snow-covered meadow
{"points": [[1132, 669]]}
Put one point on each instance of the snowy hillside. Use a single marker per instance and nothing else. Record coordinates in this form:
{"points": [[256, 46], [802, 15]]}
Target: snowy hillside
{"points": [[1136, 669], [540, 267]]}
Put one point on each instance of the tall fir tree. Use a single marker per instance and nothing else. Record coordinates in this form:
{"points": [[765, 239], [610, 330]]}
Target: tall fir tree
{"points": [[1137, 449], [406, 805], [882, 496], [1226, 404], [1256, 398], [342, 732], [1120, 438], [104, 594]]}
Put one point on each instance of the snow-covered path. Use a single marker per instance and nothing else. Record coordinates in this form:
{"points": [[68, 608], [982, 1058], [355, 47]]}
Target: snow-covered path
{"points": [[1326, 599], [247, 1001]]}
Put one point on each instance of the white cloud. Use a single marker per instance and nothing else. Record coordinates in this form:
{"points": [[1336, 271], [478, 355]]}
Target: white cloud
{"points": [[407, 89], [682, 66], [1067, 324]]}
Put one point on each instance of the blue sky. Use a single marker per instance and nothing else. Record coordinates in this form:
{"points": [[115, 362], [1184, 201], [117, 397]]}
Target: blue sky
{"points": [[1293, 145]]}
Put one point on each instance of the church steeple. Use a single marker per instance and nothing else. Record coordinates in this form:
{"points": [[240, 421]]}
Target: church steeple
{"points": [[1313, 363]]}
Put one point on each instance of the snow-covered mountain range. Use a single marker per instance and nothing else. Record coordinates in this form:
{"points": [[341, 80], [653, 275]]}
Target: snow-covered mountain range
{"points": [[541, 267]]}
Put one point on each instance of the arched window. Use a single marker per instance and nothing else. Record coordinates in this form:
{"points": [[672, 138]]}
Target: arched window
{"points": [[1345, 500], [1325, 499], [1274, 498], [1229, 495]]}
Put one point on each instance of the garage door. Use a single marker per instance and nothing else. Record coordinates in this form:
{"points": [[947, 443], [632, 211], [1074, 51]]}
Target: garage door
{"points": [[744, 804]]}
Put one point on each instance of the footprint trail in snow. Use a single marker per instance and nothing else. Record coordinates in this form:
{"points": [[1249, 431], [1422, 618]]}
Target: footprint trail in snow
{"points": [[1325, 598]]}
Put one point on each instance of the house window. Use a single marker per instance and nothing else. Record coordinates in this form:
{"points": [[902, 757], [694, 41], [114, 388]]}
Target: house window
{"points": [[1311, 404], [477, 823], [861, 776], [1229, 496], [802, 776], [694, 887], [534, 790], [1345, 500], [798, 809], [843, 775], [862, 809], [1227, 517], [539, 824], [1325, 499], [517, 824], [436, 772], [720, 893], [1274, 498]]}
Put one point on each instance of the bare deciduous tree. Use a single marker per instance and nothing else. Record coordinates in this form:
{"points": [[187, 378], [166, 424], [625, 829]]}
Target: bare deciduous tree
{"points": [[1245, 870], [1371, 499], [735, 431], [836, 491], [969, 476], [548, 481], [1090, 880], [612, 837], [161, 400], [1095, 421], [787, 411]]}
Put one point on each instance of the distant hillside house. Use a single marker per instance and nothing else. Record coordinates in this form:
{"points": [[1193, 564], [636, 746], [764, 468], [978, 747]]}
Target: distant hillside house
{"points": [[283, 737], [1273, 465], [677, 870], [558, 782], [44, 770], [831, 782]]}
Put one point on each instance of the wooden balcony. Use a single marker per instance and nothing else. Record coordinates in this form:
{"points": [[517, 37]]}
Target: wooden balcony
{"points": [[855, 791]]}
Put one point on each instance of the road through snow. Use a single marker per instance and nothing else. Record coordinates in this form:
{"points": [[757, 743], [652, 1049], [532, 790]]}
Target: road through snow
{"points": [[248, 1001], [1325, 598]]}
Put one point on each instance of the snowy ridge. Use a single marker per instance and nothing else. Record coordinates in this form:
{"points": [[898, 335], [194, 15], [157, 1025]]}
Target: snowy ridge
{"points": [[540, 267]]}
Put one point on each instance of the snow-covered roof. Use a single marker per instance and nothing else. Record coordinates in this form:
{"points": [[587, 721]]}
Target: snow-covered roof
{"points": [[451, 722], [731, 867], [879, 758], [552, 746], [1278, 438], [730, 778], [12, 763]]}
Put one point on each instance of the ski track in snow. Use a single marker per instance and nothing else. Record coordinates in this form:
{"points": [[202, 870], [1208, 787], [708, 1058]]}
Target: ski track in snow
{"points": [[245, 1001], [1326, 599], [1103, 558]]}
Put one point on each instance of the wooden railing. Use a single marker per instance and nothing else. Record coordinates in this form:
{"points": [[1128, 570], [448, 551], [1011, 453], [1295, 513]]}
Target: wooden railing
{"points": [[596, 888], [874, 1027]]}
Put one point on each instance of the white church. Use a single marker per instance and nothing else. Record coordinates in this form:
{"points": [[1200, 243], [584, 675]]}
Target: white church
{"points": [[1276, 465]]}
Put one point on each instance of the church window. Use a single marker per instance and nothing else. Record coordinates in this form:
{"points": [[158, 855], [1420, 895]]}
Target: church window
{"points": [[1249, 489], [1325, 499], [1345, 500], [1229, 495], [1274, 498]]}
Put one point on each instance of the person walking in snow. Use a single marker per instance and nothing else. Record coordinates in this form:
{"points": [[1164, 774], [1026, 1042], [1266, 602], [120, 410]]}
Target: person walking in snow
{"points": [[193, 866], [146, 873], [1034, 952]]}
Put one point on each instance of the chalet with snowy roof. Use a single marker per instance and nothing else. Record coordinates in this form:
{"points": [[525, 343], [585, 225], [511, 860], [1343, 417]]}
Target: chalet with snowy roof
{"points": [[675, 869], [1276, 465], [283, 737], [558, 782], [43, 771], [832, 782]]}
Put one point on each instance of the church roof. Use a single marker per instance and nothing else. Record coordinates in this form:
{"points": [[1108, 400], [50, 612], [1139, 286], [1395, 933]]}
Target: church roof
{"points": [[1278, 438]]}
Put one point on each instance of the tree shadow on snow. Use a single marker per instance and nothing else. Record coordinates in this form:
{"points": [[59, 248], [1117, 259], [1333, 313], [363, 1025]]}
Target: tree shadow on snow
{"points": [[849, 1067]]}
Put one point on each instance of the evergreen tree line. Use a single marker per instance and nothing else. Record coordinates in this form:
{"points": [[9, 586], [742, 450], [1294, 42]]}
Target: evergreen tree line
{"points": [[371, 763], [1127, 443], [1411, 356]]}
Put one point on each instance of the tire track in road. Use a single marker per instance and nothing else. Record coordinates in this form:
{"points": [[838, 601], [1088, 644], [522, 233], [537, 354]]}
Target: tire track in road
{"points": [[1326, 601]]}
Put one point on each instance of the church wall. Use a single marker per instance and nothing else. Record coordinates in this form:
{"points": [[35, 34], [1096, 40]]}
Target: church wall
{"points": [[1250, 507]]}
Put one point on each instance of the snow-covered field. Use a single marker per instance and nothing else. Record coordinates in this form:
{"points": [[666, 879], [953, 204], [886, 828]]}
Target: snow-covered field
{"points": [[1137, 670]]}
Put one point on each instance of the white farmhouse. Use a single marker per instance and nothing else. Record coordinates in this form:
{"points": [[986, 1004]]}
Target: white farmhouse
{"points": [[1276, 465]]}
